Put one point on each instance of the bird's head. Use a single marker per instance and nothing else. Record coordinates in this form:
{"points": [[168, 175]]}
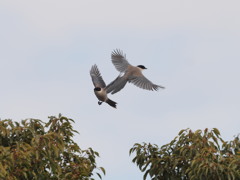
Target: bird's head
{"points": [[97, 89], [141, 67]]}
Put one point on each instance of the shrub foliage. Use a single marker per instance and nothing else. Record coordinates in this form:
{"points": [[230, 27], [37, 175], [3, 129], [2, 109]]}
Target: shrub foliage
{"points": [[33, 149], [191, 155]]}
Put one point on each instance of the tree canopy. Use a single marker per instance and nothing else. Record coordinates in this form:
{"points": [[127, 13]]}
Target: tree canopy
{"points": [[198, 155], [33, 149]]}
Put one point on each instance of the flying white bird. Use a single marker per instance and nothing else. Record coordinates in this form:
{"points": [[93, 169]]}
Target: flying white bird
{"points": [[101, 90], [132, 74]]}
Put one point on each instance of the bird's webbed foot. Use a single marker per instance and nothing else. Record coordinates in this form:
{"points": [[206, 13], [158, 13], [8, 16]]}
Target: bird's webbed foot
{"points": [[99, 102]]}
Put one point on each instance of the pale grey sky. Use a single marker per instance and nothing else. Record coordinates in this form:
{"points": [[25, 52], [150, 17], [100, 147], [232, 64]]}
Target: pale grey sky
{"points": [[190, 47]]}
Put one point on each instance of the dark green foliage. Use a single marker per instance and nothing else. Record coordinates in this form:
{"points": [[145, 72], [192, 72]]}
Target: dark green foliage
{"points": [[199, 155], [38, 150]]}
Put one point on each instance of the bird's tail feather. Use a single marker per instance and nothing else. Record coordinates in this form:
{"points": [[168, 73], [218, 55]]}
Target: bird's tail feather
{"points": [[111, 103]]}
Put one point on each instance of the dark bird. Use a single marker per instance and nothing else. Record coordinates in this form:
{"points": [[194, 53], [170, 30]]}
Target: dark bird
{"points": [[101, 90]]}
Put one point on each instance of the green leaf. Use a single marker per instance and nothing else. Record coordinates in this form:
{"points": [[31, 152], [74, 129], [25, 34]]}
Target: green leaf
{"points": [[99, 175], [216, 132], [145, 175], [103, 170]]}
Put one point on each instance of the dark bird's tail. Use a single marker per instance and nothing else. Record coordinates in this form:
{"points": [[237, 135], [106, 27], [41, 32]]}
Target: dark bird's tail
{"points": [[111, 103]]}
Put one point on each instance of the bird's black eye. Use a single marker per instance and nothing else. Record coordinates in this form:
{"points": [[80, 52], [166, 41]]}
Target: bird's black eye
{"points": [[142, 67], [97, 89]]}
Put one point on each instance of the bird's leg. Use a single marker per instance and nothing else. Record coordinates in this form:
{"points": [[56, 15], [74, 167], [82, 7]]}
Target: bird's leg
{"points": [[99, 102]]}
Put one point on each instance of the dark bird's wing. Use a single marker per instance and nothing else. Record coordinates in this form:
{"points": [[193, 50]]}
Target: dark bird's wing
{"points": [[96, 77], [116, 85], [144, 83], [119, 60]]}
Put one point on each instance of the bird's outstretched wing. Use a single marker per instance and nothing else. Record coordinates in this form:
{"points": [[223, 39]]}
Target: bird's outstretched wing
{"points": [[144, 83], [119, 60], [96, 77], [112, 85], [116, 85]]}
